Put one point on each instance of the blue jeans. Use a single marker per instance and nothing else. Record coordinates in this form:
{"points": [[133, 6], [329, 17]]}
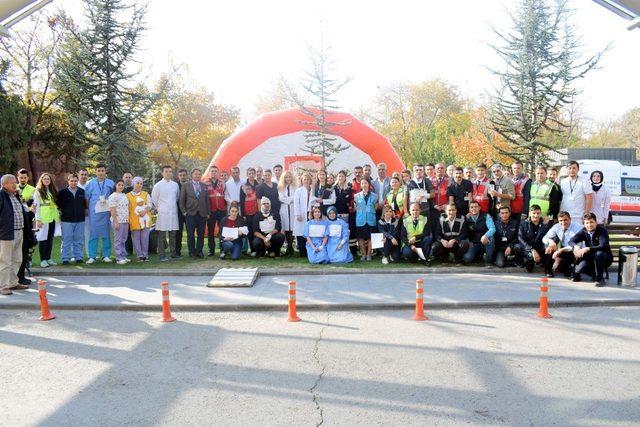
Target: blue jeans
{"points": [[93, 247], [72, 240], [233, 246]]}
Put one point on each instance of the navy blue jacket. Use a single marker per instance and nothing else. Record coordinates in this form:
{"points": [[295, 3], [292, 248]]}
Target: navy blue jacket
{"points": [[6, 216], [72, 209]]}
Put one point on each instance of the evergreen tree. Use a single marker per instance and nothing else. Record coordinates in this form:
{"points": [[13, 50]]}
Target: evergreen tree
{"points": [[96, 74], [319, 91], [541, 62], [13, 129]]}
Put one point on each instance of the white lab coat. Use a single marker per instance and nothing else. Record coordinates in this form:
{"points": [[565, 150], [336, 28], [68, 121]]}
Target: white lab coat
{"points": [[287, 216], [601, 204], [165, 199], [301, 202]]}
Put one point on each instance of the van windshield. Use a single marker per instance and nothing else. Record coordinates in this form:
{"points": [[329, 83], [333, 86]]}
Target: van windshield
{"points": [[631, 186]]}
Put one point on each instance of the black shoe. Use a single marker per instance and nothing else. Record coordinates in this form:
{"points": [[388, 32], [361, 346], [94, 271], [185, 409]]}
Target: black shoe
{"points": [[550, 275], [176, 256], [529, 266], [211, 254], [79, 261], [600, 283], [24, 281], [199, 255], [576, 278], [65, 262]]}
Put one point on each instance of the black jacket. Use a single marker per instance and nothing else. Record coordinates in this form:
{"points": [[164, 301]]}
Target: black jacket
{"points": [[257, 218], [506, 234], [390, 229], [459, 231], [599, 242], [72, 209], [240, 222], [530, 239], [476, 229], [271, 193], [7, 231]]}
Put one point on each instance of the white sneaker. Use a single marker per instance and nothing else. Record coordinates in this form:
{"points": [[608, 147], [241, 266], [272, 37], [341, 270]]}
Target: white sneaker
{"points": [[91, 261], [127, 260], [51, 263], [121, 261], [253, 254], [106, 259], [385, 261], [44, 264], [72, 260]]}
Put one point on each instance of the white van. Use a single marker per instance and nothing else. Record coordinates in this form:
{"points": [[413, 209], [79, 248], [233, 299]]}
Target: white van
{"points": [[624, 184]]}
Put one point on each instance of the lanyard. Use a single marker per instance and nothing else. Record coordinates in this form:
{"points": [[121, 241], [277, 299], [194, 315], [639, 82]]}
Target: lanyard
{"points": [[101, 187], [571, 187]]}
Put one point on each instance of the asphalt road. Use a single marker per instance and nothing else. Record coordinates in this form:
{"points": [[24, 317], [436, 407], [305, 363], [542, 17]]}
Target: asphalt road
{"points": [[336, 368]]}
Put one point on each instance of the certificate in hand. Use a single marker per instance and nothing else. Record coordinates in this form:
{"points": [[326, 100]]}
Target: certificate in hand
{"points": [[377, 240], [102, 206], [267, 226], [335, 230], [316, 230], [230, 232]]}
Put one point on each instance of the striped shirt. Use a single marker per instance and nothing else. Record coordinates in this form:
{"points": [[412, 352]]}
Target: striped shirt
{"points": [[18, 219]]}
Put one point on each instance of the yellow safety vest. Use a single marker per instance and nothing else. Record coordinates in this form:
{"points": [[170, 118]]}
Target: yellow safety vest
{"points": [[48, 210]]}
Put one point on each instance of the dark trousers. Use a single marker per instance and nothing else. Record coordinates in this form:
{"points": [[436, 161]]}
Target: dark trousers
{"points": [[195, 224], [249, 222], [594, 263], [389, 250], [563, 263], [434, 219], [277, 240], [458, 250], [301, 242], [526, 256], [411, 256], [178, 243], [476, 250], [45, 246], [501, 257], [214, 219], [25, 260]]}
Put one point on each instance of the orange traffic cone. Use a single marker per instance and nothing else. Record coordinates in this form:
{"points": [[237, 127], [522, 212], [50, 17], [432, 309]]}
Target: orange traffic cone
{"points": [[419, 314], [293, 315], [166, 307], [543, 312], [44, 303]]}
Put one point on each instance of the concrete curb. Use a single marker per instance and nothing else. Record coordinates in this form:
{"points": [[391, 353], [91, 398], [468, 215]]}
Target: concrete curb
{"points": [[285, 272], [326, 307]]}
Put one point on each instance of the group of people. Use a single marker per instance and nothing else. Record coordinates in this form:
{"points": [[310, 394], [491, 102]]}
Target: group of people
{"points": [[432, 212]]}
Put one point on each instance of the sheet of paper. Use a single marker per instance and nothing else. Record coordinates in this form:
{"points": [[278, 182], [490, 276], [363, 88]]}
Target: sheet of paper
{"points": [[377, 240], [267, 226], [230, 232], [417, 192], [335, 230], [102, 206], [316, 230], [420, 254]]}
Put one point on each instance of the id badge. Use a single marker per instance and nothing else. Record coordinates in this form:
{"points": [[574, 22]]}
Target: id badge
{"points": [[572, 198], [101, 198], [602, 206], [466, 199], [504, 239]]}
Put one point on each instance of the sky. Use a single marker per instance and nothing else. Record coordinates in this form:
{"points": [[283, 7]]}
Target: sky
{"points": [[238, 48]]}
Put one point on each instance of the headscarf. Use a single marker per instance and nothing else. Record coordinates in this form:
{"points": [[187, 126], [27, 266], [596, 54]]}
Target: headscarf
{"points": [[334, 210], [597, 187]]}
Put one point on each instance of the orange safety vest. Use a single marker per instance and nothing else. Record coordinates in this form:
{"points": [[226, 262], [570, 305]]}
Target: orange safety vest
{"points": [[517, 204]]}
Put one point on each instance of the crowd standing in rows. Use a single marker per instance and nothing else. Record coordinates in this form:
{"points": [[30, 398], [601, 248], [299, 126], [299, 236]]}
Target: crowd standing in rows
{"points": [[429, 213]]}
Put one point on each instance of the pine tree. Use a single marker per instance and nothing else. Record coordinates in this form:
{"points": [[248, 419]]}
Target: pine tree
{"points": [[319, 91], [541, 63], [96, 75]]}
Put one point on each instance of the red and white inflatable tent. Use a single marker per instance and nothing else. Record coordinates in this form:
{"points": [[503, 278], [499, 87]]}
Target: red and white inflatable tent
{"points": [[278, 138]]}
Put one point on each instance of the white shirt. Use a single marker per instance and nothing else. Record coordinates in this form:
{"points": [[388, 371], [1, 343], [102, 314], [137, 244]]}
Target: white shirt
{"points": [[232, 190], [558, 232], [165, 199], [574, 192], [601, 204]]}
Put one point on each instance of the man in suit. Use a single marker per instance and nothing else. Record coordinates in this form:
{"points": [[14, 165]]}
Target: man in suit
{"points": [[595, 252], [194, 205]]}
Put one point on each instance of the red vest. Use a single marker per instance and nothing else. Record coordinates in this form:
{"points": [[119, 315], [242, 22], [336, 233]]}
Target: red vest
{"points": [[481, 194], [250, 201], [517, 204], [441, 191], [216, 196]]}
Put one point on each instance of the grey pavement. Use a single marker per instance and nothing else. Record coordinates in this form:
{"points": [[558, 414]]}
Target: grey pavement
{"points": [[340, 291], [462, 367]]}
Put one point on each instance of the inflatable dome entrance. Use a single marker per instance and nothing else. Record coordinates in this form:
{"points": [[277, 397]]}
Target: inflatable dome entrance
{"points": [[279, 138]]}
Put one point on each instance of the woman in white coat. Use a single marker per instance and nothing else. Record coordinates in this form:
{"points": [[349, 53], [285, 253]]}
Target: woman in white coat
{"points": [[601, 198], [286, 193], [302, 199]]}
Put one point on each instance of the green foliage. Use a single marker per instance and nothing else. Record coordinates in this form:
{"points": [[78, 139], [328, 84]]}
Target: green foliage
{"points": [[95, 79], [13, 129]]}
